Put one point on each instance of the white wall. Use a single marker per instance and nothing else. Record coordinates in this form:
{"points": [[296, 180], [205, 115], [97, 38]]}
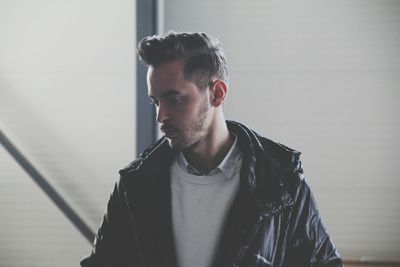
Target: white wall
{"points": [[324, 78], [67, 100]]}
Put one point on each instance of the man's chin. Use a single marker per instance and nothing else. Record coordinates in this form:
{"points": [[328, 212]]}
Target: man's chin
{"points": [[175, 145]]}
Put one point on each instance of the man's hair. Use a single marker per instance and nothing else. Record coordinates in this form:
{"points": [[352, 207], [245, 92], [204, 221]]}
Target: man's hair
{"points": [[202, 54]]}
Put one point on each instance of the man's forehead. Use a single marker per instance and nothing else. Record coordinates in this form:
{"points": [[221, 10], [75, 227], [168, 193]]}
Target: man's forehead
{"points": [[176, 65], [160, 85], [168, 75]]}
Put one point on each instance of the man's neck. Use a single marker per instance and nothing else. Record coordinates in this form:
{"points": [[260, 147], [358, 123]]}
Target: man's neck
{"points": [[208, 153]]}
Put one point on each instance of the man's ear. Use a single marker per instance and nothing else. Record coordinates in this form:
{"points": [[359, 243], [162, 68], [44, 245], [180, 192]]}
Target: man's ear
{"points": [[219, 90]]}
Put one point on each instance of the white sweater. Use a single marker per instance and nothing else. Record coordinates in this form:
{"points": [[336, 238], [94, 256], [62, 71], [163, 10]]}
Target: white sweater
{"points": [[200, 205]]}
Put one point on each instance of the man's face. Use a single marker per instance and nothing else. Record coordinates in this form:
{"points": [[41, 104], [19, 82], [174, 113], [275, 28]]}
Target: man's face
{"points": [[183, 110]]}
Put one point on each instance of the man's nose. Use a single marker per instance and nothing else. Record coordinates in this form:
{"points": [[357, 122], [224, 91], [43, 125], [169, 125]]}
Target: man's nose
{"points": [[161, 114]]}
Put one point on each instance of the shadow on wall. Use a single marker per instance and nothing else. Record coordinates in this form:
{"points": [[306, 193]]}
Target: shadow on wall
{"points": [[44, 149]]}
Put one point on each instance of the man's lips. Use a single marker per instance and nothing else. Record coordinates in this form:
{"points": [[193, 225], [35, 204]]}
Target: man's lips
{"points": [[168, 130]]}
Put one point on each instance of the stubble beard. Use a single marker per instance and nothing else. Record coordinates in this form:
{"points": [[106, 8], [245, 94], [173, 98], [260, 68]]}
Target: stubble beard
{"points": [[195, 131]]}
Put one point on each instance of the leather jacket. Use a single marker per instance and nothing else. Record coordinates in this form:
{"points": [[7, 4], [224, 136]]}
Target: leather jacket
{"points": [[273, 221]]}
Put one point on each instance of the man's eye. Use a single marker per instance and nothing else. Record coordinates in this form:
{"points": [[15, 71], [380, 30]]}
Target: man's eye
{"points": [[153, 102]]}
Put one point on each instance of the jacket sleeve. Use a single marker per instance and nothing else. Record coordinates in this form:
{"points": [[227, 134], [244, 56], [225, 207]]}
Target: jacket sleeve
{"points": [[113, 244], [310, 242], [322, 249]]}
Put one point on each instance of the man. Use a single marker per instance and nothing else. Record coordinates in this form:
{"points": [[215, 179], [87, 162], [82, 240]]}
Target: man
{"points": [[210, 192]]}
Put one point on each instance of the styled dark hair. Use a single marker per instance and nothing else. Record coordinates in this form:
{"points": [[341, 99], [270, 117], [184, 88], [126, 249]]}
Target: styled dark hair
{"points": [[202, 55]]}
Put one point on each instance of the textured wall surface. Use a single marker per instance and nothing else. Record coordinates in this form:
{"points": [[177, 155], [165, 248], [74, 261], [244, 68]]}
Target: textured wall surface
{"points": [[67, 101], [323, 78]]}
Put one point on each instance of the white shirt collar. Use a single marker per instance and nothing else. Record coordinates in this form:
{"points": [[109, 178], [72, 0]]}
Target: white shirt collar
{"points": [[227, 166]]}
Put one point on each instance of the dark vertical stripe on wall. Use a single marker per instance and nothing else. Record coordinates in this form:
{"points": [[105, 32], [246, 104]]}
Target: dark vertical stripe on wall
{"points": [[146, 15]]}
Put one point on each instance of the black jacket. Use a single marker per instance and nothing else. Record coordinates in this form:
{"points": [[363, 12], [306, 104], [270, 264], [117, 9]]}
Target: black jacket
{"points": [[273, 221]]}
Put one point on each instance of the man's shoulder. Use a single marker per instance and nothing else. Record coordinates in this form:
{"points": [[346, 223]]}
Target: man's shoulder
{"points": [[159, 151], [145, 172], [278, 157], [258, 141], [281, 157], [278, 149], [282, 165]]}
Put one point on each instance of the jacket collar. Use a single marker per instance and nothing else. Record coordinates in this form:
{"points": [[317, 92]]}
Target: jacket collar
{"points": [[265, 168], [266, 165]]}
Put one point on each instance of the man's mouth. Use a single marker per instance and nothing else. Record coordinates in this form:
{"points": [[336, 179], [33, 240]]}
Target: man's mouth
{"points": [[168, 131]]}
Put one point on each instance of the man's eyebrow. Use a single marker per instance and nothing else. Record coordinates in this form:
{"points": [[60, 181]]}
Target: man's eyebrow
{"points": [[166, 94], [170, 93]]}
